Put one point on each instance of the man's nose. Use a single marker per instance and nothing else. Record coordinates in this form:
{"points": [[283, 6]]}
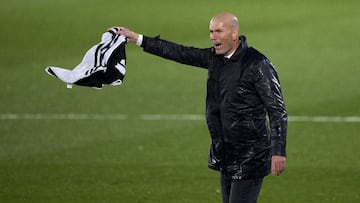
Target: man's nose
{"points": [[213, 36]]}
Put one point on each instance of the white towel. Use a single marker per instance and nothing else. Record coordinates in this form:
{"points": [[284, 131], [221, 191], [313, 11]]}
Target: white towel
{"points": [[103, 64]]}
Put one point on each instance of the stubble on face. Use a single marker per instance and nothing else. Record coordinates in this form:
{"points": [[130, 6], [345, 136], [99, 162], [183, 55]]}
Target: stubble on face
{"points": [[224, 31]]}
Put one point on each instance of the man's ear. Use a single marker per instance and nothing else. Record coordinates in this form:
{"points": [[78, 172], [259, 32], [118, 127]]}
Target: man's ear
{"points": [[235, 35]]}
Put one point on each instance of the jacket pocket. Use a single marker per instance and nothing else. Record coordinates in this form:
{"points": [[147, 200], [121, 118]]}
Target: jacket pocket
{"points": [[241, 131]]}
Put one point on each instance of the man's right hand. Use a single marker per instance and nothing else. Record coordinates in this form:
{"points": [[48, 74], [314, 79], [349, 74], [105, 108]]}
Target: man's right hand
{"points": [[132, 36]]}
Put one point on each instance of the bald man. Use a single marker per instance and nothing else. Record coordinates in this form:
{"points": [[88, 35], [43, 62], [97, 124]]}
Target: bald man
{"points": [[242, 90]]}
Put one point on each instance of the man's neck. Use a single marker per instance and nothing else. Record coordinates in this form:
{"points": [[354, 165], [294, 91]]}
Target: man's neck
{"points": [[229, 55], [232, 53]]}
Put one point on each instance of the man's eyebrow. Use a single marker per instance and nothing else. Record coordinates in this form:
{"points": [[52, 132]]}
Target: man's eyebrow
{"points": [[216, 30]]}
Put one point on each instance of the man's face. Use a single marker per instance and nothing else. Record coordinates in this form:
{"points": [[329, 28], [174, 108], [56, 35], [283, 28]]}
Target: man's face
{"points": [[222, 37]]}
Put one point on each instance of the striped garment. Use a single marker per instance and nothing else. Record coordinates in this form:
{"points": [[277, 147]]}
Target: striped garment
{"points": [[103, 64]]}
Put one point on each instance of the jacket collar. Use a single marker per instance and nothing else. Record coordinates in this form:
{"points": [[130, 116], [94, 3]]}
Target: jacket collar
{"points": [[240, 51]]}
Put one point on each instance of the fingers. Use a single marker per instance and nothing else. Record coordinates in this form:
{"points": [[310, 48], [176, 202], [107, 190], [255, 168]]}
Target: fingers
{"points": [[278, 165], [120, 31], [113, 28], [277, 169], [132, 36]]}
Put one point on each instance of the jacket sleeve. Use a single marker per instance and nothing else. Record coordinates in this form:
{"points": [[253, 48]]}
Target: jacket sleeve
{"points": [[268, 87], [176, 52]]}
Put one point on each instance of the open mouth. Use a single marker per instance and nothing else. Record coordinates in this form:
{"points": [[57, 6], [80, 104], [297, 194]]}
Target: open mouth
{"points": [[217, 45]]}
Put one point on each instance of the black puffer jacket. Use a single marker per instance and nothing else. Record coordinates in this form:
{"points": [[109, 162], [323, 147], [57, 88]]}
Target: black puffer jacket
{"points": [[241, 91]]}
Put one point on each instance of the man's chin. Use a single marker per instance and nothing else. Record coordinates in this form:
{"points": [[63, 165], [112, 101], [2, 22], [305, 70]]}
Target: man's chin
{"points": [[219, 52]]}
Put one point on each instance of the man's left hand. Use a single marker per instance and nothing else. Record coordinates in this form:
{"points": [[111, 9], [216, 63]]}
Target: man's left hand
{"points": [[277, 165]]}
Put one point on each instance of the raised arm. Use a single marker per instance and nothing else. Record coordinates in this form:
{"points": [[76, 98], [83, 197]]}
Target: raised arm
{"points": [[188, 55]]}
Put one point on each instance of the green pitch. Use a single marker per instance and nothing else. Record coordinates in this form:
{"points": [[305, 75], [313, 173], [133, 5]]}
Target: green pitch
{"points": [[314, 45]]}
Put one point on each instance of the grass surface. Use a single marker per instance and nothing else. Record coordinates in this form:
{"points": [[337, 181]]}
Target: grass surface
{"points": [[313, 44]]}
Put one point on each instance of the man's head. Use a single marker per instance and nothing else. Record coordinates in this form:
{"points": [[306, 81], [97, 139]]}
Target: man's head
{"points": [[224, 33]]}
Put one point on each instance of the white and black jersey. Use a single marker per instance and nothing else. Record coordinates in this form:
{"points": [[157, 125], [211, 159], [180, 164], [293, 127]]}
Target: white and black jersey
{"points": [[103, 64]]}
